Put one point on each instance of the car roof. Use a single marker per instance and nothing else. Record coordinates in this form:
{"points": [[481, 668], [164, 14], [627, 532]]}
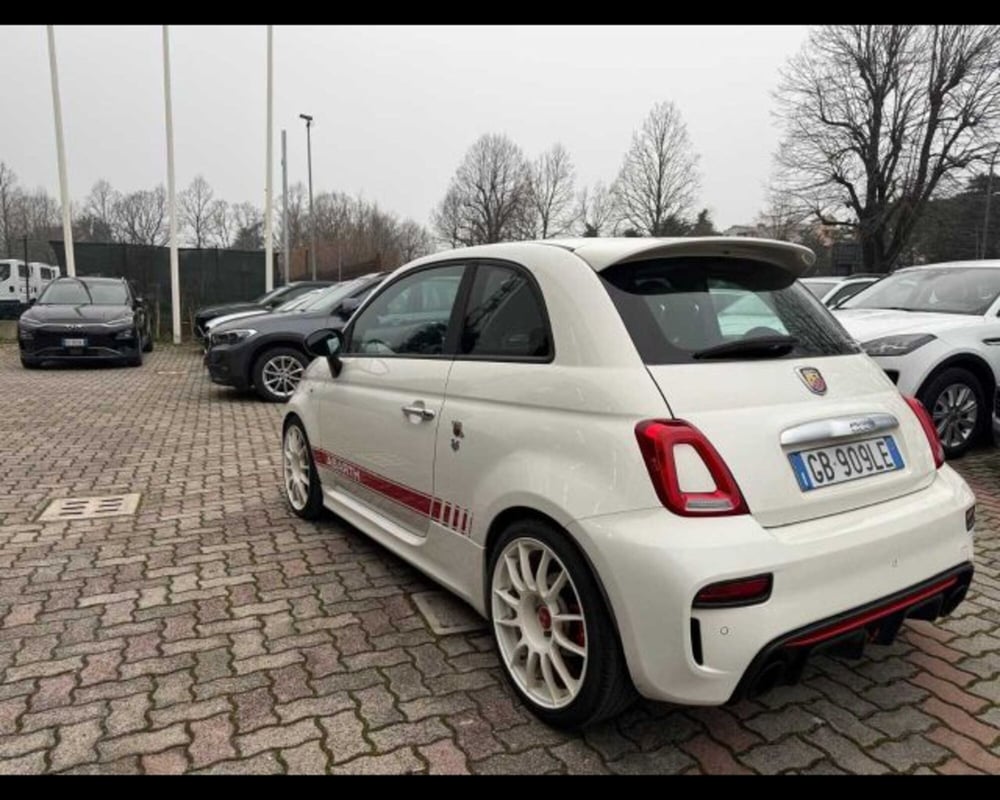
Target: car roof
{"points": [[601, 253], [88, 279]]}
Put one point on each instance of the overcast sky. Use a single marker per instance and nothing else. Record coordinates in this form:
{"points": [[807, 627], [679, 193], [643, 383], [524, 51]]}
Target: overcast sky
{"points": [[395, 107]]}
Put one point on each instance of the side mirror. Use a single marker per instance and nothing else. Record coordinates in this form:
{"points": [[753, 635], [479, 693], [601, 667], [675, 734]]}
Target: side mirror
{"points": [[327, 343], [140, 303], [348, 307]]}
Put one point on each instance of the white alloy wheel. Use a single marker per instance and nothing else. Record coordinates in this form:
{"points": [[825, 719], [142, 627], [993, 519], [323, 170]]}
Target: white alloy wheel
{"points": [[295, 455], [538, 620]]}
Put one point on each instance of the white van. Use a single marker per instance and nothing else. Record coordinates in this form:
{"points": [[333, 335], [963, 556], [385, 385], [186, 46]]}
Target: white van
{"points": [[20, 282]]}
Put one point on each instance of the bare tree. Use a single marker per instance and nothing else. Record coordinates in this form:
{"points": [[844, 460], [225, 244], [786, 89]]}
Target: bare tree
{"points": [[96, 221], [248, 221], [414, 241], [550, 198], [10, 195], [781, 217], [222, 223], [877, 118], [658, 178], [596, 210], [488, 198], [197, 207], [140, 216]]}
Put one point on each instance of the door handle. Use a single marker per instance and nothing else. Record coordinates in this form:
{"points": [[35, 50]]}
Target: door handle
{"points": [[417, 409]]}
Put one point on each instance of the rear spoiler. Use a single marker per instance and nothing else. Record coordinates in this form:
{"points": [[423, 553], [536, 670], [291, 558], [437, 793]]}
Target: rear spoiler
{"points": [[603, 253]]}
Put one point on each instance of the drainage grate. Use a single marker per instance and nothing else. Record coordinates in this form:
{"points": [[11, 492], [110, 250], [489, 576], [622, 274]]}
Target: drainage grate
{"points": [[68, 508], [446, 614]]}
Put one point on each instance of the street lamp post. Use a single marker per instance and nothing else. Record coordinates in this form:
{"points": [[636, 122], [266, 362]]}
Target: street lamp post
{"points": [[312, 217]]}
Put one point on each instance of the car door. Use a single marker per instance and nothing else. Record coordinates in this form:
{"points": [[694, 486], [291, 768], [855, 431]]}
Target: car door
{"points": [[497, 394], [379, 416]]}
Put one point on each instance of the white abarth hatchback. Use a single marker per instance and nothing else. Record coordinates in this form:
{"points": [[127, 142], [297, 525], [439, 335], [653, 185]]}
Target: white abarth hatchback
{"points": [[653, 464]]}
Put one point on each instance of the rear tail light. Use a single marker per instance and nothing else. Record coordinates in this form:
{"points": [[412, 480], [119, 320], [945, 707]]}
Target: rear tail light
{"points": [[930, 429], [739, 592], [657, 440]]}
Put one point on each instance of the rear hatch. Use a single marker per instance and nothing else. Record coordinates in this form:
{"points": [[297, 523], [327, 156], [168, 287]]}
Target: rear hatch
{"points": [[746, 354]]}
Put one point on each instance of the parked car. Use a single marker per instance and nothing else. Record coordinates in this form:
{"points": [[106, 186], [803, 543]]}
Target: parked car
{"points": [[267, 352], [640, 487], [288, 305], [85, 319], [266, 302], [835, 290], [935, 330]]}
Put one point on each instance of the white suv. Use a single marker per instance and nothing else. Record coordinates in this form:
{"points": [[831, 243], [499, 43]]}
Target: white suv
{"points": [[653, 464]]}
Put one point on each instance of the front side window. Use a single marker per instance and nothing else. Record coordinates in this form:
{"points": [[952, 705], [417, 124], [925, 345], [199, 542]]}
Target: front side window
{"points": [[4, 272], [945, 290], [22, 271], [410, 317], [504, 317], [699, 309]]}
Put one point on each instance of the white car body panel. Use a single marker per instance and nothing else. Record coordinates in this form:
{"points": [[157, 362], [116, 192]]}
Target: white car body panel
{"points": [[559, 439]]}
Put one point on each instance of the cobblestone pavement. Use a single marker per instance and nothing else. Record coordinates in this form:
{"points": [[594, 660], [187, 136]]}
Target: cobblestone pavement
{"points": [[216, 632]]}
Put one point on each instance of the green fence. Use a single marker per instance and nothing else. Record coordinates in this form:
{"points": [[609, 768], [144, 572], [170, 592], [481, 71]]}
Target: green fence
{"points": [[207, 276]]}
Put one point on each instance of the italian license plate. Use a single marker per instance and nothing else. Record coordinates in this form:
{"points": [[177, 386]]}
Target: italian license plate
{"points": [[827, 466], [74, 342]]}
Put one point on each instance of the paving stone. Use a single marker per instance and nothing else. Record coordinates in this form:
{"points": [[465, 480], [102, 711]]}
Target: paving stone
{"points": [[790, 754], [215, 620], [909, 753]]}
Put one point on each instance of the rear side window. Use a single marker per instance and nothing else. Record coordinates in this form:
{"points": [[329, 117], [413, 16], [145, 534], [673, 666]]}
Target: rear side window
{"points": [[504, 316], [677, 310]]}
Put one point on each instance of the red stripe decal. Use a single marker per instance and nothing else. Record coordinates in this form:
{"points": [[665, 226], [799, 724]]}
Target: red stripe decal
{"points": [[448, 514], [397, 492]]}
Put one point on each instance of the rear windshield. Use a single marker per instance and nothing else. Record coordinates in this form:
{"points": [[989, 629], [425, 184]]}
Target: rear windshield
{"points": [[676, 310]]}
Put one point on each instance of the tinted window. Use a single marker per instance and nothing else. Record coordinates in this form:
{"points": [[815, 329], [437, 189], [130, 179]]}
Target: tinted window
{"points": [[4, 271], [504, 316], [410, 317], [946, 290], [846, 291], [22, 271], [77, 292], [819, 288], [676, 308]]}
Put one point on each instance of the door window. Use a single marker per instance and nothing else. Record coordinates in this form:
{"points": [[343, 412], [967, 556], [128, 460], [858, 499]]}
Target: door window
{"points": [[411, 317]]}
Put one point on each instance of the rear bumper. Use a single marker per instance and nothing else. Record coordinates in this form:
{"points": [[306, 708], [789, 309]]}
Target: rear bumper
{"points": [[847, 633], [652, 565]]}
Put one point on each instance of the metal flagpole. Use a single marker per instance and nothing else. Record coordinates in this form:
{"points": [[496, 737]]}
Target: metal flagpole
{"points": [[268, 240], [175, 287], [61, 156], [284, 209]]}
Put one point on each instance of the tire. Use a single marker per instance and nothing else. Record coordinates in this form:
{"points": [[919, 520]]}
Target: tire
{"points": [[147, 346], [135, 360], [957, 404], [273, 373], [298, 466], [598, 684], [29, 364]]}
